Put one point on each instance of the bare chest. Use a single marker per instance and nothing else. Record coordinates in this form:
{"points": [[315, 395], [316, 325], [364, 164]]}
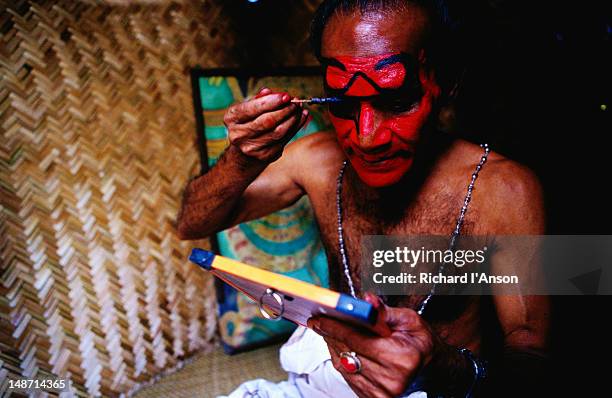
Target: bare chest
{"points": [[426, 213]]}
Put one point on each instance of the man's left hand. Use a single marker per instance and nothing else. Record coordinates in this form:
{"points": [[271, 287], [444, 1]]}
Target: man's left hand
{"points": [[389, 362]]}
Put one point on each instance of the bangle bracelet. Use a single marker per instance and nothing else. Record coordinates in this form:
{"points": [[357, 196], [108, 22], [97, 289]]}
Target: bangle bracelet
{"points": [[479, 370], [420, 382]]}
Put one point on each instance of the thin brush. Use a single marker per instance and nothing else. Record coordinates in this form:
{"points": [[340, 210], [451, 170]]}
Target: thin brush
{"points": [[315, 100]]}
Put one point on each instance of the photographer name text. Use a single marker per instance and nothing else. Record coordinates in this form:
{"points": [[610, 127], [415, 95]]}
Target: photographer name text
{"points": [[433, 278]]}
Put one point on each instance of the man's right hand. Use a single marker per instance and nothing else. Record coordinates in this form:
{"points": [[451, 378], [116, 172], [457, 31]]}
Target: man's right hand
{"points": [[260, 127]]}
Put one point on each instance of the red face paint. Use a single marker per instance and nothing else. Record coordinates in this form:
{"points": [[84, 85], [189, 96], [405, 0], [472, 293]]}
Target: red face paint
{"points": [[364, 77], [387, 99]]}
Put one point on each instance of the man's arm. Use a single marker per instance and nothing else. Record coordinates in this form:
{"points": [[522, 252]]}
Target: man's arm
{"points": [[510, 202], [253, 177], [524, 319]]}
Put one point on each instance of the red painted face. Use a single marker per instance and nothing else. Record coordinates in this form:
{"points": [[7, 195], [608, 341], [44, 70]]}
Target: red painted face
{"points": [[386, 101]]}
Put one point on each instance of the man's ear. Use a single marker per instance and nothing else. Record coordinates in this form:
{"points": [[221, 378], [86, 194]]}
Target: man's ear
{"points": [[447, 118]]}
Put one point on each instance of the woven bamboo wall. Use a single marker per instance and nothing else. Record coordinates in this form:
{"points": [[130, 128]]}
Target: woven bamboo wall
{"points": [[98, 139]]}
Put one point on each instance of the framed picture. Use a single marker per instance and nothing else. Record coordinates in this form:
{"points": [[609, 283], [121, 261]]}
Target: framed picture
{"points": [[286, 241]]}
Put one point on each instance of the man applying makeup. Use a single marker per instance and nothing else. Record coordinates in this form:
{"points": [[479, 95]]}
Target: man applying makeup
{"points": [[393, 174]]}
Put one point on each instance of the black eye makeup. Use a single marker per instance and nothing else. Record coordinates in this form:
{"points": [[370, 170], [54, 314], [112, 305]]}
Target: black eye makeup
{"points": [[390, 103], [396, 103]]}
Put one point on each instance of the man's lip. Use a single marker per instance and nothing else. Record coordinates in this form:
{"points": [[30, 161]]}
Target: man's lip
{"points": [[376, 159], [379, 164], [381, 157]]}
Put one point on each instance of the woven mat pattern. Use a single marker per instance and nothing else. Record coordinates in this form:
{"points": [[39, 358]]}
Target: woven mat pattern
{"points": [[98, 140]]}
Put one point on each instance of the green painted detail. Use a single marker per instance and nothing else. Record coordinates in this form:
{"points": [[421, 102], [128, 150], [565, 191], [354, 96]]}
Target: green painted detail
{"points": [[215, 93], [215, 132]]}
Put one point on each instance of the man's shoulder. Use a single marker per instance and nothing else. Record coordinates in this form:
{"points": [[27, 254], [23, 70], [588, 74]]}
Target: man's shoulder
{"points": [[316, 153], [499, 173], [321, 140], [506, 192]]}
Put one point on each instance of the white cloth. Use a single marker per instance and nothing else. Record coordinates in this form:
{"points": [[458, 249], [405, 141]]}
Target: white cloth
{"points": [[306, 359]]}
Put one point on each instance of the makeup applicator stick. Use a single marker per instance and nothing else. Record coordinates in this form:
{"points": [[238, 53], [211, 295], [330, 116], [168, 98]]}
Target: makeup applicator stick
{"points": [[316, 100]]}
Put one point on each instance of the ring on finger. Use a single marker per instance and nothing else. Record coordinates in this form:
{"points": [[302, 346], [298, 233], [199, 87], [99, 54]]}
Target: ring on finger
{"points": [[350, 362]]}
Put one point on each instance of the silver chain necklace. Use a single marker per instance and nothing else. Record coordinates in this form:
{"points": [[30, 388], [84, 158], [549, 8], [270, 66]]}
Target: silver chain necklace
{"points": [[454, 235]]}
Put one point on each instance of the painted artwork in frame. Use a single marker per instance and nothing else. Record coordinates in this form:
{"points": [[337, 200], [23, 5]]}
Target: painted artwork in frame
{"points": [[286, 241]]}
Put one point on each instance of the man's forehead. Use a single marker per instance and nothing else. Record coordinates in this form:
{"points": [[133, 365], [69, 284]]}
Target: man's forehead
{"points": [[374, 33], [374, 62]]}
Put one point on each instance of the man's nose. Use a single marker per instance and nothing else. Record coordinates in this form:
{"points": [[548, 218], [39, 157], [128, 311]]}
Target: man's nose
{"points": [[368, 124]]}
